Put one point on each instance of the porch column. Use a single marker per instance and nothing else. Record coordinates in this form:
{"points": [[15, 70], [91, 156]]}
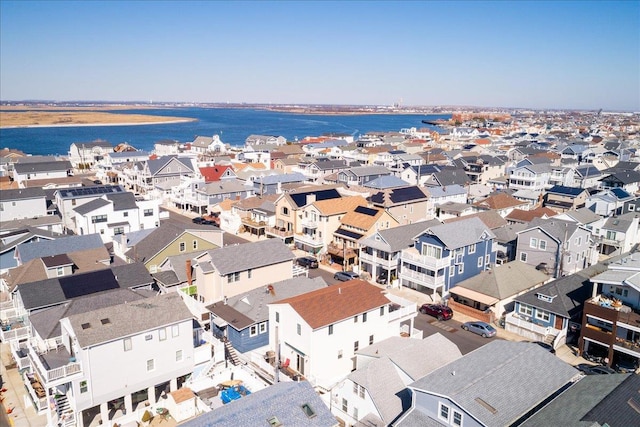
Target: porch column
{"points": [[151, 391], [104, 413], [128, 403], [173, 384]]}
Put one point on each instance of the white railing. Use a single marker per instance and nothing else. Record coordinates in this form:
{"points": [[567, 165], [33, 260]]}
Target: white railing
{"points": [[16, 350], [195, 307], [14, 334], [422, 279], [308, 239], [9, 313], [515, 320], [49, 375], [427, 261], [376, 260]]}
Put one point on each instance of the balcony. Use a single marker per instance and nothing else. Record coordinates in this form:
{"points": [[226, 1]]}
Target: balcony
{"points": [[414, 257], [389, 262], [526, 323], [309, 240], [20, 353], [279, 232], [612, 309], [53, 365], [626, 346], [422, 279], [309, 223]]}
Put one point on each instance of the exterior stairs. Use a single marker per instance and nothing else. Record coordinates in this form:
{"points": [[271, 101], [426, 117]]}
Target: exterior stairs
{"points": [[230, 353], [548, 339], [64, 411]]}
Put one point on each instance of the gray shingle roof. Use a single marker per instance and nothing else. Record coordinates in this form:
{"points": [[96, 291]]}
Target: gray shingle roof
{"points": [[620, 407], [512, 377], [91, 206], [230, 259], [150, 313], [571, 407], [123, 201], [22, 194], [461, 233], [283, 400], [35, 167], [43, 248], [397, 238]]}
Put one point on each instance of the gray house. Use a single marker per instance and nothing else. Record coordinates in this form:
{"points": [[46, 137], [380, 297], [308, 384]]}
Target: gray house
{"points": [[555, 246], [498, 384], [22, 203]]}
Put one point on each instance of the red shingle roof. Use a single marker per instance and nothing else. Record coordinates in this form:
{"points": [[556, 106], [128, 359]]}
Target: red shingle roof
{"points": [[213, 173], [338, 302]]}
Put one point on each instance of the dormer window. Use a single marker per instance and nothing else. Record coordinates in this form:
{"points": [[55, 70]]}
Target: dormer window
{"points": [[546, 298]]}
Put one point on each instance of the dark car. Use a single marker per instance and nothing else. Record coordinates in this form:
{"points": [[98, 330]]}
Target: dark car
{"points": [[307, 261], [442, 312], [343, 276], [382, 278], [546, 346], [626, 366], [202, 221], [599, 370]]}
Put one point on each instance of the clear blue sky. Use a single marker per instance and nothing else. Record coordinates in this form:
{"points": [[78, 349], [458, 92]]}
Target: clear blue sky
{"points": [[575, 54]]}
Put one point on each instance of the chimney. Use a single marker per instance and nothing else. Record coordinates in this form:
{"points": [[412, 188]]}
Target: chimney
{"points": [[311, 198], [189, 277], [271, 290]]}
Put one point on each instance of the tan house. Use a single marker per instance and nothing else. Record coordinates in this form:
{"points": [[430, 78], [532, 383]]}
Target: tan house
{"points": [[406, 204], [233, 270], [321, 219], [173, 238], [561, 198], [355, 226]]}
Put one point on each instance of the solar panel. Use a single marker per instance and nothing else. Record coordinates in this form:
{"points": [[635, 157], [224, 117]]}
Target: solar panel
{"points": [[405, 194], [89, 283], [620, 193], [366, 211], [348, 233]]}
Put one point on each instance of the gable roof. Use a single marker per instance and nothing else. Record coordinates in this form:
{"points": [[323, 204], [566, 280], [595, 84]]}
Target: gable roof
{"points": [[397, 238], [150, 313], [337, 206], [519, 215], [48, 166], [61, 245], [282, 400], [91, 206], [22, 194], [491, 219], [336, 303], [400, 195], [499, 201], [299, 198], [492, 375], [231, 259], [214, 173], [461, 233], [566, 191], [362, 217]]}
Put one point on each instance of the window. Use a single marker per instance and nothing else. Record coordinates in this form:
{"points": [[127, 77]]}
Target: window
{"points": [[356, 346], [175, 331], [479, 261], [527, 310], [533, 243], [355, 319], [125, 214], [277, 317], [339, 354], [431, 251], [178, 355], [523, 256], [151, 364], [83, 387], [262, 327], [382, 311], [98, 218], [162, 334], [542, 245], [364, 317], [183, 247], [249, 273], [457, 418], [472, 249], [460, 268], [330, 329], [370, 339], [253, 331], [60, 271], [127, 344], [148, 212], [622, 292], [487, 260], [195, 244], [233, 277], [452, 271], [355, 412], [118, 230], [345, 405], [543, 315], [443, 412], [355, 389], [308, 410], [285, 210], [569, 259], [299, 329], [148, 337], [579, 240]]}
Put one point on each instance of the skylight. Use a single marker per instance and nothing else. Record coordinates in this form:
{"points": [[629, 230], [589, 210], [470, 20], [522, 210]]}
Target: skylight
{"points": [[308, 410], [274, 421], [86, 325]]}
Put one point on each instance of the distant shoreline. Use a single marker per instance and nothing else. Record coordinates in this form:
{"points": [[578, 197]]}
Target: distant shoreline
{"points": [[70, 125]]}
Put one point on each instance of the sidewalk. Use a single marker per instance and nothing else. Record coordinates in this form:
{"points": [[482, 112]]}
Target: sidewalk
{"points": [[14, 398]]}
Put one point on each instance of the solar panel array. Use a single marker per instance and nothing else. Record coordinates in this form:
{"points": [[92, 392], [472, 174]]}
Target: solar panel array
{"points": [[85, 284], [348, 233], [300, 199], [400, 195], [366, 211], [620, 193], [89, 191]]}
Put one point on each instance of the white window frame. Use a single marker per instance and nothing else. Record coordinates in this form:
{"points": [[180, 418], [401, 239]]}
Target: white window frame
{"points": [[162, 334], [151, 365], [543, 315], [182, 246], [175, 331], [262, 327], [523, 257], [178, 355], [84, 386], [542, 245], [472, 249], [453, 418], [442, 406], [128, 345], [460, 268], [525, 309], [480, 259], [253, 330]]}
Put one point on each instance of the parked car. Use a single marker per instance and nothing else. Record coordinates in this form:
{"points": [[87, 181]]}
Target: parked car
{"points": [[480, 328], [626, 366], [307, 261], [442, 312], [202, 221], [598, 370], [546, 346], [343, 276], [382, 278]]}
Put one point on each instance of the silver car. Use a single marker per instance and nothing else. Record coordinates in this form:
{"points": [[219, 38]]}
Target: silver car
{"points": [[480, 328]]}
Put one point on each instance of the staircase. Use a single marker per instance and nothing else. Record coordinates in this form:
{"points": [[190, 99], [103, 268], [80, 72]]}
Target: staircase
{"points": [[230, 353], [549, 338], [64, 411]]}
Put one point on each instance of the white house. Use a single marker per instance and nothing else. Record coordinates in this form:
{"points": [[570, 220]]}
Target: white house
{"points": [[22, 203], [319, 333]]}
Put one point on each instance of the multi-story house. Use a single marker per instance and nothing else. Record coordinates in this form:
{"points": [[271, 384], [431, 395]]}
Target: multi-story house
{"points": [[288, 209], [360, 175], [22, 203], [561, 198], [67, 199], [483, 168], [356, 225], [233, 270], [470, 390], [618, 234], [610, 321], [502, 203], [444, 255], [244, 319], [440, 195], [608, 202], [157, 175], [320, 219], [208, 145], [265, 139], [115, 366], [114, 214], [319, 333], [272, 184], [628, 180], [555, 246], [586, 176], [84, 155], [380, 253], [405, 204], [316, 170], [530, 177], [419, 175]]}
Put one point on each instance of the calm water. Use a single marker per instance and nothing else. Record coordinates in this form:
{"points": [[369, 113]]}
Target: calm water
{"points": [[233, 126]]}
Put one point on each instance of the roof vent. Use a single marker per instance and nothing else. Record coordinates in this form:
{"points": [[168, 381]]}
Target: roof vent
{"points": [[105, 321], [86, 325]]}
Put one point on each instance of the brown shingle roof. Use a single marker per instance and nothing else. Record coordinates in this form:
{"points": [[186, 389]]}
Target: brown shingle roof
{"points": [[361, 221], [335, 303], [527, 216], [499, 201], [341, 205]]}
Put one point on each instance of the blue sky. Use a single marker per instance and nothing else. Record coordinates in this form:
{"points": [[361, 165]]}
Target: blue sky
{"points": [[582, 55]]}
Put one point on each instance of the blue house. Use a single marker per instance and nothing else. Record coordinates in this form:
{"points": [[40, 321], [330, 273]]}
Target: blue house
{"points": [[446, 254], [244, 319]]}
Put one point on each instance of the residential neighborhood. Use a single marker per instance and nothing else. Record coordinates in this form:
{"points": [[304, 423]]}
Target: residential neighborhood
{"points": [[308, 282]]}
